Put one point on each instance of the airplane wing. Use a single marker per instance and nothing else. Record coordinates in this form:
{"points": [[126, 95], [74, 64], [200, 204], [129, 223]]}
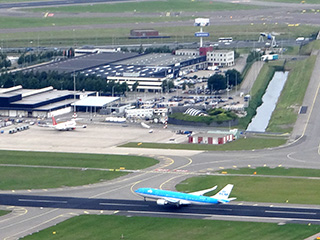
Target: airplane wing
{"points": [[200, 193], [226, 200]]}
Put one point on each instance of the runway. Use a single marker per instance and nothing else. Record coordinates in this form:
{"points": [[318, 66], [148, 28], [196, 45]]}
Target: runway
{"points": [[150, 208]]}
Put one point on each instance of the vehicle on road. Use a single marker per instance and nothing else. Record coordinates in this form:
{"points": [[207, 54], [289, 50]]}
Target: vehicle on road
{"points": [[269, 57]]}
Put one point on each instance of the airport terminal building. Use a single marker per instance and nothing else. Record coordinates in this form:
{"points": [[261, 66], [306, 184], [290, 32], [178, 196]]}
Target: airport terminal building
{"points": [[150, 70]]}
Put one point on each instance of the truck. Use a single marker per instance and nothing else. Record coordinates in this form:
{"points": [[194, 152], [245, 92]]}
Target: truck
{"points": [[269, 57]]}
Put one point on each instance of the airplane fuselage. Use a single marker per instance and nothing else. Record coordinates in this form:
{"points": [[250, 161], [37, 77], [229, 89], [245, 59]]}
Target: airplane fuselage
{"points": [[181, 198]]}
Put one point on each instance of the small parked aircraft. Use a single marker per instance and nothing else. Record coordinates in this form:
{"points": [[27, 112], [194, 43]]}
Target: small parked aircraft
{"points": [[64, 126]]}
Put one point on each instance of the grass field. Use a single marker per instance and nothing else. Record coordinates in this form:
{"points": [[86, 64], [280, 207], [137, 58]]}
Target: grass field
{"points": [[152, 7], [143, 228], [16, 22], [278, 171], [260, 189], [22, 177], [76, 160], [240, 144], [14, 178], [115, 36], [285, 114]]}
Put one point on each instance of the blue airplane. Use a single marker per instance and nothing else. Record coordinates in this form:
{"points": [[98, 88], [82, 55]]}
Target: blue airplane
{"points": [[165, 197]]}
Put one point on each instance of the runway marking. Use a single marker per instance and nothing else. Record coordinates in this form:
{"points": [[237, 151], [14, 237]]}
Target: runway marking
{"points": [[189, 163], [45, 222], [170, 213], [30, 218], [168, 181], [293, 159], [17, 211], [308, 213], [36, 200], [116, 204]]}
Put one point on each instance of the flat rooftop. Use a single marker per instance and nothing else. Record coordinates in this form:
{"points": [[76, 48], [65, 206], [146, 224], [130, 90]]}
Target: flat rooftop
{"points": [[157, 59], [83, 62]]}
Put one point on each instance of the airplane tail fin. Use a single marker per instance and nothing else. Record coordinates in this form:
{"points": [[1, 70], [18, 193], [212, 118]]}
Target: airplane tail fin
{"points": [[54, 122], [223, 195]]}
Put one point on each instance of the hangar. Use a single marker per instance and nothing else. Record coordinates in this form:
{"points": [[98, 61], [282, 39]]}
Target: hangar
{"points": [[19, 102]]}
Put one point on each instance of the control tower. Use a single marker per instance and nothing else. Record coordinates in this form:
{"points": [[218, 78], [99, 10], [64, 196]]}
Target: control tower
{"points": [[201, 22]]}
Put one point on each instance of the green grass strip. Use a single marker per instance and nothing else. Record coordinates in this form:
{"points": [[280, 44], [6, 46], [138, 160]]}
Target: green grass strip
{"points": [[19, 22], [278, 171], [2, 212], [151, 7], [38, 178], [240, 144], [76, 160], [260, 189], [145, 228]]}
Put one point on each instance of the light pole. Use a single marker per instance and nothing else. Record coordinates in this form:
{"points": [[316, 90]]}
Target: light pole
{"points": [[74, 92], [113, 90], [236, 83], [228, 85]]}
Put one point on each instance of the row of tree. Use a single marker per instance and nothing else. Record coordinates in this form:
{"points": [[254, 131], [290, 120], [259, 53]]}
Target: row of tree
{"points": [[36, 80], [4, 62], [219, 82], [32, 57]]}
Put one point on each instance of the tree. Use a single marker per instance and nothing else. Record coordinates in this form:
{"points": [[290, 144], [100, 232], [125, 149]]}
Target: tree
{"points": [[135, 86], [164, 85], [217, 82], [184, 86], [170, 84], [234, 77]]}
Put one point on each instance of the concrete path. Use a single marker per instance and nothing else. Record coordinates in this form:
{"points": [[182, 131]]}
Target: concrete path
{"points": [[252, 75]]}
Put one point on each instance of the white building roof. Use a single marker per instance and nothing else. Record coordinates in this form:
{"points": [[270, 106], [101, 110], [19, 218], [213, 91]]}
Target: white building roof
{"points": [[95, 101]]}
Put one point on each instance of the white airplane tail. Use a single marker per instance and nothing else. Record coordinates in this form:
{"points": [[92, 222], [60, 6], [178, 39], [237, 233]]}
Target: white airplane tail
{"points": [[223, 195]]}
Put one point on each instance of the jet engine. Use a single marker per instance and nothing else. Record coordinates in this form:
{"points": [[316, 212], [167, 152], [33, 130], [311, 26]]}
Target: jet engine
{"points": [[162, 202]]}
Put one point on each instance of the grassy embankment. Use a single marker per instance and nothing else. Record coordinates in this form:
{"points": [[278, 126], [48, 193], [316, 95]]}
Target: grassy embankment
{"points": [[141, 228], [44, 171], [285, 114]]}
